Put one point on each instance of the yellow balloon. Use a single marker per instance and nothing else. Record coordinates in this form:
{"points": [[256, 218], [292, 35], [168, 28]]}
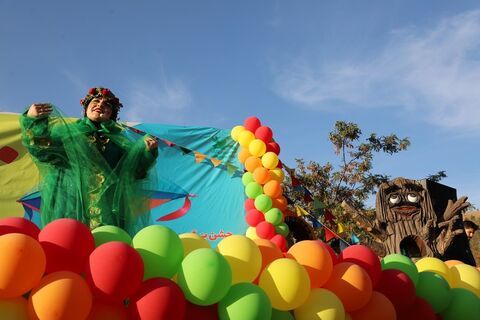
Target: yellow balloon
{"points": [[465, 276], [436, 266], [277, 174], [270, 160], [243, 256], [286, 283], [251, 233], [236, 131], [15, 308], [193, 241], [257, 148], [245, 137], [321, 304]]}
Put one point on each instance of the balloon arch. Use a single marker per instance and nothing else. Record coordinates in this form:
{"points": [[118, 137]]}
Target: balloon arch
{"points": [[66, 271]]}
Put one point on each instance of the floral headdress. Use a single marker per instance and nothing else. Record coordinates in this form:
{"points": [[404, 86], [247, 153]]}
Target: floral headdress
{"points": [[106, 94]]}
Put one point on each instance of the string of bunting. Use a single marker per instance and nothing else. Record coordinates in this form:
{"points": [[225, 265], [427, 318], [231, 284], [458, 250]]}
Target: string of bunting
{"points": [[199, 157], [319, 210]]}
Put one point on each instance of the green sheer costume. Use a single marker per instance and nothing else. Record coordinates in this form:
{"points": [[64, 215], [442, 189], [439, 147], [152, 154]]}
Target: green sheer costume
{"points": [[96, 173]]}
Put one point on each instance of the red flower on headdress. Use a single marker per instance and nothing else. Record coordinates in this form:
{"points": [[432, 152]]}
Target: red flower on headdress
{"points": [[105, 92], [91, 91]]}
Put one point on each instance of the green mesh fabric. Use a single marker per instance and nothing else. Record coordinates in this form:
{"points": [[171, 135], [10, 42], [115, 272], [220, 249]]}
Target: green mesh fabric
{"points": [[97, 174]]}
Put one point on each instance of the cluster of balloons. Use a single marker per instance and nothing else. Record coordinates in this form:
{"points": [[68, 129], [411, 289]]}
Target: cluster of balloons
{"points": [[66, 271], [262, 179]]}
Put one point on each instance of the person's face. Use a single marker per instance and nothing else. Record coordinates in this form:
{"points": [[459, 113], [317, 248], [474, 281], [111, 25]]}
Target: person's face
{"points": [[469, 232], [99, 110]]}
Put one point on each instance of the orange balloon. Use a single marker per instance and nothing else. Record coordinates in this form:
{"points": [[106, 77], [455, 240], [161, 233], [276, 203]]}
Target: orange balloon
{"points": [[252, 163], [15, 308], [243, 155], [273, 189], [379, 307], [261, 175], [351, 284], [61, 295], [280, 203], [104, 310], [269, 251], [451, 263], [22, 264], [315, 259]]}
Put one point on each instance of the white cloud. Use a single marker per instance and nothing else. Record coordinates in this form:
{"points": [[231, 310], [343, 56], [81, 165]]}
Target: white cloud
{"points": [[167, 101], [435, 72]]}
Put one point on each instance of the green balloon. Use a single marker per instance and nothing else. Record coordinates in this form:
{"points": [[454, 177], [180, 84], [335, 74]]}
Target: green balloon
{"points": [[253, 190], [281, 315], [247, 178], [161, 250], [104, 234], [402, 263], [464, 304], [435, 289], [204, 277], [263, 203], [282, 229], [274, 216], [245, 301]]}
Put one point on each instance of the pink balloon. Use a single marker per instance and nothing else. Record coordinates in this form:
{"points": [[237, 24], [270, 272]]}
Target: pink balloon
{"points": [[114, 271], [398, 288], [157, 299], [252, 124], [264, 133], [365, 258], [265, 230], [254, 217], [274, 147], [67, 244], [18, 225]]}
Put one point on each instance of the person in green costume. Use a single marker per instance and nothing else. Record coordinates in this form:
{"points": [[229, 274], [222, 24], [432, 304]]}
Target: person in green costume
{"points": [[95, 170]]}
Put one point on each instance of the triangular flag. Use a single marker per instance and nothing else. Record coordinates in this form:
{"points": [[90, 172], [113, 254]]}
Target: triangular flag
{"points": [[354, 239], [343, 245], [185, 150], [329, 216], [318, 207], [340, 228], [329, 235], [307, 196], [315, 223], [300, 211], [231, 168], [199, 157], [216, 162]]}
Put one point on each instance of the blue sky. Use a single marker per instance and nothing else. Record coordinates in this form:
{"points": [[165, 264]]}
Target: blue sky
{"points": [[405, 67]]}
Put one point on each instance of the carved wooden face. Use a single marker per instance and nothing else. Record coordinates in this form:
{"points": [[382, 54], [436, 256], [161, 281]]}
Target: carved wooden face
{"points": [[404, 202]]}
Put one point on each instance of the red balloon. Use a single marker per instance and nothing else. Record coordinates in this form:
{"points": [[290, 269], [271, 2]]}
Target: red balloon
{"points": [[158, 299], [254, 217], [102, 310], [398, 288], [330, 251], [249, 204], [67, 244], [274, 147], [280, 242], [252, 124], [264, 133], [196, 312], [265, 230], [18, 225], [419, 310], [365, 258], [114, 271]]}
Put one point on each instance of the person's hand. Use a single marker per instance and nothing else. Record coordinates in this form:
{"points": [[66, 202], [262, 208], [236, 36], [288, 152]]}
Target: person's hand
{"points": [[39, 109], [151, 143]]}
